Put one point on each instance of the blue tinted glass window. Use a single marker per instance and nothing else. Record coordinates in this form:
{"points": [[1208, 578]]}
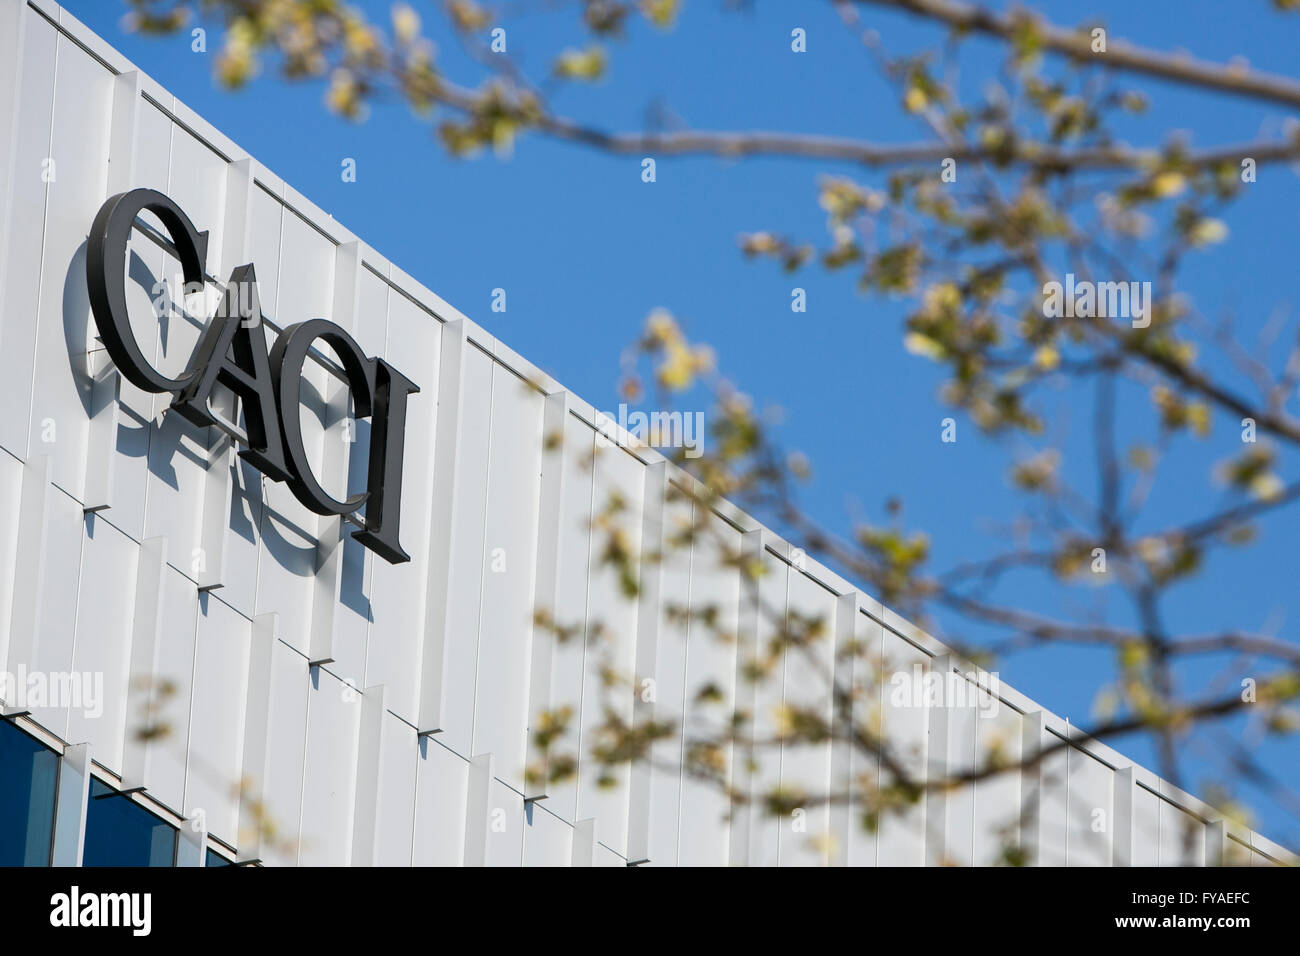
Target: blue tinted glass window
{"points": [[215, 859], [122, 833], [28, 775]]}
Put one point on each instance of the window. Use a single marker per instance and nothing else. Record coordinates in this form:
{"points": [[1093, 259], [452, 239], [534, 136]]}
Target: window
{"points": [[122, 833], [28, 776]]}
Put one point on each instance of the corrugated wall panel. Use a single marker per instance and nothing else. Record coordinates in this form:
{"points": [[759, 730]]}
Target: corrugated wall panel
{"points": [[102, 649], [440, 806], [217, 718], [861, 842], [807, 768], [28, 187], [329, 771], [79, 153], [765, 831], [618, 477], [509, 569], [670, 683], [1090, 826], [467, 557], [173, 680], [393, 598], [395, 826], [905, 726], [997, 798]]}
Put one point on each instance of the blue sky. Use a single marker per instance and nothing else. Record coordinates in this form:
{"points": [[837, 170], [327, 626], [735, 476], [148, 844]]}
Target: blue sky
{"points": [[585, 250]]}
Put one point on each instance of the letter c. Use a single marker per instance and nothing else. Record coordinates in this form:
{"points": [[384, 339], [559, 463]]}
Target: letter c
{"points": [[106, 251], [287, 358]]}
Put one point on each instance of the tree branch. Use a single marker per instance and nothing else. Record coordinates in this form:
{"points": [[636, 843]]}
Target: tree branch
{"points": [[1119, 55]]}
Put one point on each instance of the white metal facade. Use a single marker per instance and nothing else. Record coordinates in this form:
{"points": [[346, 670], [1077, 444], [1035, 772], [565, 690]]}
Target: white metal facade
{"points": [[196, 569]]}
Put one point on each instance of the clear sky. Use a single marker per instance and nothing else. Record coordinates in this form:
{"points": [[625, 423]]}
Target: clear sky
{"points": [[585, 250]]}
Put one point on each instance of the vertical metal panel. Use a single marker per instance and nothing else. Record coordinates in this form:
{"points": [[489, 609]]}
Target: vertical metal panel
{"points": [[24, 200], [70, 807], [1216, 843], [220, 467], [711, 674], [339, 434], [998, 735], [571, 611], [1124, 803], [12, 472], [13, 35], [1053, 803], [840, 815], [146, 269], [1182, 837], [61, 382], [107, 598], [949, 813], [252, 223], [509, 570], [356, 600], [669, 676], [765, 829], [443, 528], [178, 452], [548, 840], [32, 508], [748, 621], [1146, 826], [864, 767], [286, 733], [289, 530], [604, 856], [478, 810], [192, 843], [442, 787], [584, 843], [905, 725], [396, 595], [255, 757], [464, 602], [143, 696], [101, 437], [369, 777], [1034, 739], [805, 839], [395, 823], [221, 656], [1092, 816], [961, 702], [938, 760], [330, 769], [649, 625], [550, 529], [619, 478], [505, 825], [53, 642], [171, 685]]}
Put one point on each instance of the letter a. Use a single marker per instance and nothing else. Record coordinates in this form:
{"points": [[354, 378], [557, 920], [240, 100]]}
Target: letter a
{"points": [[232, 351]]}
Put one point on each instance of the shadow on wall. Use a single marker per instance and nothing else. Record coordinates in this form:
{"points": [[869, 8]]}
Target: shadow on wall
{"points": [[161, 439]]}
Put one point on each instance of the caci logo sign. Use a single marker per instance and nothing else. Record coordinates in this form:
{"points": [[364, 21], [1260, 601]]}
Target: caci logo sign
{"points": [[232, 351]]}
